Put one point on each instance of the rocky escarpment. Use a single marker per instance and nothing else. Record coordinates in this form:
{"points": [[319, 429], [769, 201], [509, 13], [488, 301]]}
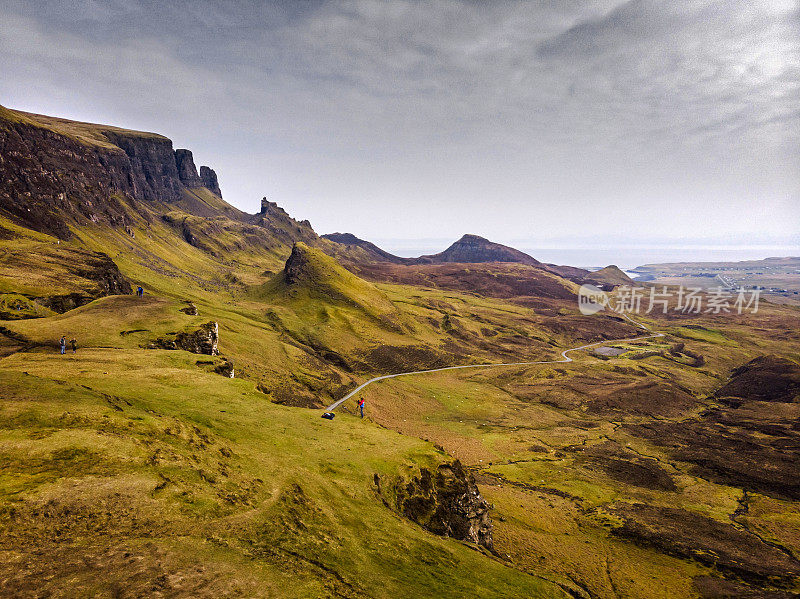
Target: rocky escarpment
{"points": [[446, 502], [66, 277], [91, 266], [282, 227], [187, 171], [210, 181], [47, 177], [55, 171], [150, 169]]}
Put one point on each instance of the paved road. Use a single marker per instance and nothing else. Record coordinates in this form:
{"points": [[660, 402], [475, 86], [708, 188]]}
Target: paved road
{"points": [[564, 356]]}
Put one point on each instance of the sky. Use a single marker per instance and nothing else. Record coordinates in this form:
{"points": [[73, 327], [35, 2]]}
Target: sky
{"points": [[572, 122]]}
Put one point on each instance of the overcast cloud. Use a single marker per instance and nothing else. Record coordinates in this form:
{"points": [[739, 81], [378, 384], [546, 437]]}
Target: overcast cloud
{"points": [[515, 120]]}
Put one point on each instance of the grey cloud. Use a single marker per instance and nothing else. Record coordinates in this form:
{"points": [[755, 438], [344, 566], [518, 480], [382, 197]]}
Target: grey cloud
{"points": [[562, 112]]}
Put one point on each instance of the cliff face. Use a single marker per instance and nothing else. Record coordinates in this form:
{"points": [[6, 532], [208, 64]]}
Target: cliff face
{"points": [[55, 172], [150, 168], [187, 172], [210, 182]]}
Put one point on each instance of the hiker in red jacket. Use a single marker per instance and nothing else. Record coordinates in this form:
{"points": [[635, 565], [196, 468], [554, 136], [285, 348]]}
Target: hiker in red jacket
{"points": [[361, 406]]}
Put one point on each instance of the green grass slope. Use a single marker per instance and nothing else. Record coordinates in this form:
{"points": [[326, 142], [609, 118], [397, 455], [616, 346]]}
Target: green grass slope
{"points": [[135, 473], [86, 133], [310, 274]]}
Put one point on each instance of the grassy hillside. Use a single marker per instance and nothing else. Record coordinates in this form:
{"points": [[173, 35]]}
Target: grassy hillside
{"points": [[609, 275], [144, 471], [626, 473], [310, 274], [668, 468], [130, 473], [86, 133]]}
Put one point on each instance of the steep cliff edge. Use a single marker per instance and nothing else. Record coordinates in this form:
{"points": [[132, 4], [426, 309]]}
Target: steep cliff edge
{"points": [[210, 181], [187, 171], [57, 172]]}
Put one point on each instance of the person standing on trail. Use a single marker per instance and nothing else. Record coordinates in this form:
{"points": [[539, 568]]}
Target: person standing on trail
{"points": [[63, 343], [140, 291], [361, 406], [74, 343]]}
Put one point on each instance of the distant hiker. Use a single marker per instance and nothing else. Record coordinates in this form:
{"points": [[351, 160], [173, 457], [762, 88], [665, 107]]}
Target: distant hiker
{"points": [[74, 343], [361, 406], [63, 343], [139, 291]]}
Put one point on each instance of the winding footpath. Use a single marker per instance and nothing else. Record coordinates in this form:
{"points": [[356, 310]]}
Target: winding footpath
{"points": [[565, 358]]}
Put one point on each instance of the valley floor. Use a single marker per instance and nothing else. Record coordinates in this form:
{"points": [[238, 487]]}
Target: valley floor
{"points": [[141, 472]]}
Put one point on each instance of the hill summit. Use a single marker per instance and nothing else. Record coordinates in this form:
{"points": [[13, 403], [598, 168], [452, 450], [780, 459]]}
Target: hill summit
{"points": [[311, 273], [371, 250], [609, 275], [472, 248]]}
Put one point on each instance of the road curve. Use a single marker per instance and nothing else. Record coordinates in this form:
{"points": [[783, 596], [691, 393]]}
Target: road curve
{"points": [[565, 358]]}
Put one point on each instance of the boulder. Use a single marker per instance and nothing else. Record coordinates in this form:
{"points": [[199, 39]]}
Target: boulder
{"points": [[225, 368], [202, 341], [189, 309]]}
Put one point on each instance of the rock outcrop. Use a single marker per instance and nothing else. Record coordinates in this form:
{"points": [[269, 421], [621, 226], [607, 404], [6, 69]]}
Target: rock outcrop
{"points": [[446, 502], [66, 277], [189, 309], [187, 172], [55, 172], [225, 368], [201, 341], [209, 179], [282, 227]]}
